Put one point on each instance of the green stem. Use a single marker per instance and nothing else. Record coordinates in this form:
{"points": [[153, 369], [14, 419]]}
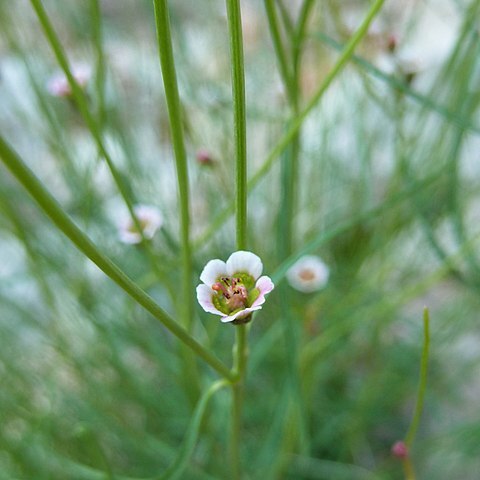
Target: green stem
{"points": [[63, 222], [397, 84], [286, 214], [240, 365], [240, 135], [100, 64], [410, 436], [300, 118], [286, 74], [240, 130], [408, 469], [180, 463], [174, 111], [92, 124], [167, 63]]}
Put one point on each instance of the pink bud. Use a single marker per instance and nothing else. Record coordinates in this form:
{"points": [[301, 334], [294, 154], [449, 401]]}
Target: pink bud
{"points": [[392, 43], [204, 157], [400, 450]]}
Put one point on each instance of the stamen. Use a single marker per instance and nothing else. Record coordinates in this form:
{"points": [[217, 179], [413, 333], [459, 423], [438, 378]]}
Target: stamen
{"points": [[220, 287]]}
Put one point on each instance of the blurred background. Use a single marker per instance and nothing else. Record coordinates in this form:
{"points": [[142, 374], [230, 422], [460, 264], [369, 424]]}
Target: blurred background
{"points": [[387, 194]]}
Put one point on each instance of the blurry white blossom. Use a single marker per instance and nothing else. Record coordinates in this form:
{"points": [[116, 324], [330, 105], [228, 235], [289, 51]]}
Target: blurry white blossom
{"points": [[150, 220], [58, 85], [308, 274]]}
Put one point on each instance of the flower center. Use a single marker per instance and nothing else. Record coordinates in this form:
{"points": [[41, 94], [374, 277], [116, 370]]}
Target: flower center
{"points": [[306, 274], [233, 291], [132, 228]]}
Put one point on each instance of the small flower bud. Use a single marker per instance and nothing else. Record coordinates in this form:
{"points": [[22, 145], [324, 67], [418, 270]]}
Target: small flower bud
{"points": [[204, 157], [400, 450], [392, 43]]}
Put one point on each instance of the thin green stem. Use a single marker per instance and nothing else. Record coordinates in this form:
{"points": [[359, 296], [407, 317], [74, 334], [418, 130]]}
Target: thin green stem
{"points": [[180, 463], [240, 135], [299, 119], [100, 63], [240, 365], [63, 222], [408, 469], [410, 436], [286, 213], [167, 63], [299, 34], [285, 72], [240, 130], [402, 86], [92, 124]]}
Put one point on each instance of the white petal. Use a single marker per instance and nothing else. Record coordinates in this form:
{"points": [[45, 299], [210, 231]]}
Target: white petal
{"points": [[204, 297], [240, 314], [213, 269], [127, 236], [264, 285], [244, 262], [151, 217]]}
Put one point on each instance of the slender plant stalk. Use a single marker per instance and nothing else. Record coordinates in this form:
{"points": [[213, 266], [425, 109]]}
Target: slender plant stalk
{"points": [[324, 237], [165, 51], [240, 135], [408, 469], [63, 222], [283, 61], [174, 111], [398, 84], [286, 214], [298, 121], [180, 463], [422, 385], [100, 63], [91, 122]]}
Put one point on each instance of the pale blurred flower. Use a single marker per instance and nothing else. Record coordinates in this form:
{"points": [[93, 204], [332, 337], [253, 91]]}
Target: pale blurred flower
{"points": [[150, 220], [308, 274], [58, 85], [234, 289]]}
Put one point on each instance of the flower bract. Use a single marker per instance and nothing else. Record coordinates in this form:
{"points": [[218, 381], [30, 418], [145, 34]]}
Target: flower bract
{"points": [[234, 289]]}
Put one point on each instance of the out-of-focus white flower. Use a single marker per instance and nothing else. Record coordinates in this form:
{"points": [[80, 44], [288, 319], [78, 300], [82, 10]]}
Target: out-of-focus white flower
{"points": [[308, 274], [150, 220], [234, 289], [58, 85]]}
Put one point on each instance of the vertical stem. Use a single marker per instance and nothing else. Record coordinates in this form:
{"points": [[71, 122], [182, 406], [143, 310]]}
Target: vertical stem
{"points": [[287, 208], [408, 469], [174, 111], [422, 384], [240, 131], [96, 14], [91, 122], [167, 63], [240, 135]]}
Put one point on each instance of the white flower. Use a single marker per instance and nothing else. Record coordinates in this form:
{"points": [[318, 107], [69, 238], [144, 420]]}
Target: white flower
{"points": [[234, 289], [308, 274], [58, 85], [149, 218]]}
